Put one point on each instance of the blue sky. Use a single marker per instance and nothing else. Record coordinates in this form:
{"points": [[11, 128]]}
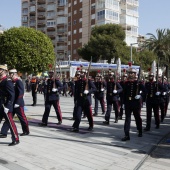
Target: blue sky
{"points": [[153, 14]]}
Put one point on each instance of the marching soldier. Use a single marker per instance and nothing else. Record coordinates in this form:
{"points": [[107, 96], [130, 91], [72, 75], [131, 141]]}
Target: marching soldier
{"points": [[52, 98], [99, 93], [153, 92], [7, 97], [122, 83], [133, 92], [18, 104], [84, 87], [34, 88], [112, 96]]}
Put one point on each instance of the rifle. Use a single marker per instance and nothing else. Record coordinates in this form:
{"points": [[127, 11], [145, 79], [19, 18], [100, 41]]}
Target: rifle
{"points": [[87, 78], [117, 72], [54, 76], [157, 74]]}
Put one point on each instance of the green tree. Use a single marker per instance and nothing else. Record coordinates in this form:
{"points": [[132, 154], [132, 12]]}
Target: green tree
{"points": [[106, 42], [26, 49]]}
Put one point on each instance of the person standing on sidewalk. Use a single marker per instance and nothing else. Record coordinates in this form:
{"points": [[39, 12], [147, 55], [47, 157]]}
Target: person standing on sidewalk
{"points": [[18, 105], [52, 98], [134, 90], [34, 88], [7, 96]]}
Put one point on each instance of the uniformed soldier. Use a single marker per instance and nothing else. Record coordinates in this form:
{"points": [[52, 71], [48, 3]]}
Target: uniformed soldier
{"points": [[99, 93], [18, 104], [153, 96], [7, 97], [52, 98], [122, 83], [84, 87], [34, 88], [113, 89], [133, 92]]}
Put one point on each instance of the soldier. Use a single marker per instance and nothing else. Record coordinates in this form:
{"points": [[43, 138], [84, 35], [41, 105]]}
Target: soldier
{"points": [[133, 92], [7, 96], [84, 87], [122, 83], [34, 88], [153, 92], [52, 98], [99, 93], [112, 96], [18, 104]]}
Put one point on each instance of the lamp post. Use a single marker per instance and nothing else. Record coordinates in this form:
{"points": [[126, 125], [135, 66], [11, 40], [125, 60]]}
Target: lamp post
{"points": [[131, 60]]}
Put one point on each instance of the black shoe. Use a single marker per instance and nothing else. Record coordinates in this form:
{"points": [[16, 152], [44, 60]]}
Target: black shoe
{"points": [[42, 124], [59, 123], [162, 120], [140, 134], [120, 117], [116, 121], [33, 105], [90, 128], [157, 127], [14, 143], [95, 114], [146, 129], [84, 116], [76, 130], [24, 133], [125, 138], [103, 113], [106, 122], [3, 135]]}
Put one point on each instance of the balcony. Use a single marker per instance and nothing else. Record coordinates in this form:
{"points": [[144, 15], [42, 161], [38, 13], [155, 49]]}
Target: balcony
{"points": [[41, 24], [61, 47], [41, 17], [52, 36], [41, 1], [61, 39], [132, 2], [32, 13], [51, 1], [32, 3], [61, 31], [50, 28], [41, 9]]}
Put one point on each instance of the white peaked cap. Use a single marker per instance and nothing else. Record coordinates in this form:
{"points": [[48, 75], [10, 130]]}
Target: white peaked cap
{"points": [[13, 71]]}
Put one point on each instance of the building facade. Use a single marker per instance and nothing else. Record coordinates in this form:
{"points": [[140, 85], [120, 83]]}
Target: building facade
{"points": [[69, 22]]}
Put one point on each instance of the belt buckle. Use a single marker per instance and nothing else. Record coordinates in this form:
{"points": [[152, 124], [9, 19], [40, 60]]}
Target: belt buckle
{"points": [[110, 94], [151, 95], [81, 94], [48, 91], [130, 98]]}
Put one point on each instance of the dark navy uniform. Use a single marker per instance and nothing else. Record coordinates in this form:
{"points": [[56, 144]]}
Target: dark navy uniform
{"points": [[7, 96], [19, 110], [112, 99], [83, 102], [132, 89], [152, 102], [99, 96], [52, 98]]}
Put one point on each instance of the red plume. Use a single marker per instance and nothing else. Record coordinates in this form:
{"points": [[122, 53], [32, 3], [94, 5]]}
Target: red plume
{"points": [[124, 70], [98, 71], [78, 68], [50, 65], [130, 64], [149, 69]]}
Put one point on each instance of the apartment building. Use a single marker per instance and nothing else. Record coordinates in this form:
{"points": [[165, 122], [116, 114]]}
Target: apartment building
{"points": [[68, 22]]}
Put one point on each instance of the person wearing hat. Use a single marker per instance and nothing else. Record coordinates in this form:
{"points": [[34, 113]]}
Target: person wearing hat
{"points": [[52, 98], [34, 88], [113, 89], [153, 96], [18, 104], [134, 90], [84, 87], [99, 93], [7, 97]]}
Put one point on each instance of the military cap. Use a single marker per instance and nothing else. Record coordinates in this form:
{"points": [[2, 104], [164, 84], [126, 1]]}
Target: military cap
{"points": [[3, 67], [13, 71]]}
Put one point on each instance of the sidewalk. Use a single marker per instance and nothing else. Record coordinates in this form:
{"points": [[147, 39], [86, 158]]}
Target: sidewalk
{"points": [[56, 148]]}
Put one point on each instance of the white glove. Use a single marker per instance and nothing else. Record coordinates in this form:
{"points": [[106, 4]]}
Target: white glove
{"points": [[86, 91], [137, 96], [102, 89], [16, 105], [54, 90], [144, 103], [6, 110], [123, 106], [158, 93], [114, 91], [164, 93]]}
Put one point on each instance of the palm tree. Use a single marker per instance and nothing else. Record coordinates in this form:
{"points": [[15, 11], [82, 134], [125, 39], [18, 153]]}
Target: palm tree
{"points": [[159, 44]]}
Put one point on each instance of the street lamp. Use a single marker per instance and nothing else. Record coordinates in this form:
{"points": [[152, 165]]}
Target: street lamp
{"points": [[131, 51]]}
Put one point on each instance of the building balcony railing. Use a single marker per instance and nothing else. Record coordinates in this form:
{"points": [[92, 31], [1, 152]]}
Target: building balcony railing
{"points": [[51, 33], [41, 1], [62, 39], [51, 1], [32, 3], [32, 13], [52, 36], [132, 2], [50, 28], [61, 30], [61, 13], [51, 17], [41, 9], [61, 47], [41, 24], [41, 17]]}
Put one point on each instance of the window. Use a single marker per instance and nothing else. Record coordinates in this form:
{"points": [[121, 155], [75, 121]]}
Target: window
{"points": [[24, 18], [75, 31], [80, 20], [101, 15], [93, 6], [69, 33], [75, 12], [74, 42], [80, 30], [50, 7], [80, 10], [112, 15], [68, 43], [80, 40], [80, 0], [75, 2], [74, 22], [51, 23], [74, 51], [93, 16]]}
